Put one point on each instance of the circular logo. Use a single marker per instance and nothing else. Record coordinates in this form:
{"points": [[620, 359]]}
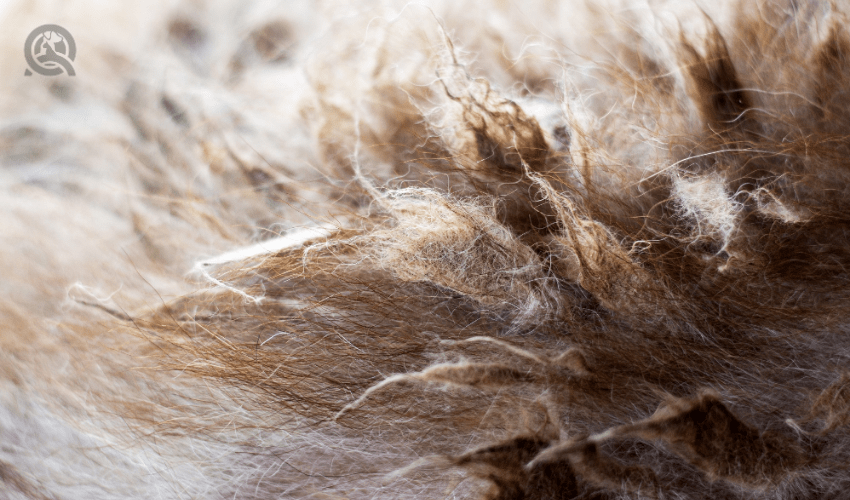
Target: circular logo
{"points": [[49, 51]]}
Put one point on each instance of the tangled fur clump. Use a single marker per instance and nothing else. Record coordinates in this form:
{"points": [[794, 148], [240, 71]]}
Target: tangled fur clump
{"points": [[572, 250]]}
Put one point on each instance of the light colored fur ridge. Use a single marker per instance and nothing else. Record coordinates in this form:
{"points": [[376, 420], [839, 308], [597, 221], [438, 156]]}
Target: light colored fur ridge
{"points": [[427, 250]]}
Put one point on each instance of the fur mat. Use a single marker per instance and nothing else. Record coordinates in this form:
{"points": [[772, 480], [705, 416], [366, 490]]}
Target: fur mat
{"points": [[444, 249]]}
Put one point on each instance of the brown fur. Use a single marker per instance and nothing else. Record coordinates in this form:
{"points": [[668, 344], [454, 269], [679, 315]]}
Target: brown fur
{"points": [[511, 252]]}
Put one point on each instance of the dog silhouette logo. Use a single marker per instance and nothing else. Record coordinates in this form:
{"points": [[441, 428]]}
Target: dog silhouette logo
{"points": [[50, 49]]}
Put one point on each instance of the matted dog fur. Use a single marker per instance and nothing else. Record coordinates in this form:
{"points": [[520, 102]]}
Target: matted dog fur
{"points": [[454, 249]]}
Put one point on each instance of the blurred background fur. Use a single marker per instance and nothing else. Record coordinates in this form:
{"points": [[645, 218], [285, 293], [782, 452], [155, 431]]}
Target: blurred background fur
{"points": [[447, 249]]}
